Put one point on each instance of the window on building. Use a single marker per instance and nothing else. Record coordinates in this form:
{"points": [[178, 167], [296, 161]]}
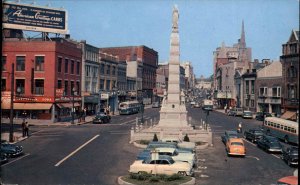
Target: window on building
{"points": [[59, 65], [108, 70], [107, 85], [20, 86], [4, 63], [66, 90], [247, 87], [66, 66], [78, 88], [252, 103], [95, 72], [72, 66], [291, 91], [252, 87], [39, 86], [39, 63], [102, 69], [72, 87], [247, 102], [101, 84], [59, 84], [77, 68], [3, 84], [87, 70], [263, 91], [114, 70], [20, 63]]}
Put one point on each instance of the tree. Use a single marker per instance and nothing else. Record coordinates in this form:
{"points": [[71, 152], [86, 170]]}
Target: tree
{"points": [[186, 138], [155, 137]]}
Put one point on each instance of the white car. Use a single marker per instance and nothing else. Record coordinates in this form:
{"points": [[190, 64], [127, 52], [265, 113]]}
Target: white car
{"points": [[162, 165], [180, 143], [178, 156]]}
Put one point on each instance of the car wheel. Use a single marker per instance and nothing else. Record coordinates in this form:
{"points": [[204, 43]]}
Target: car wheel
{"points": [[182, 173]]}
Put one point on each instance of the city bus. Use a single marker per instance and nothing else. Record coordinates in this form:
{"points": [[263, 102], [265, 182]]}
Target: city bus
{"points": [[129, 107], [281, 128]]}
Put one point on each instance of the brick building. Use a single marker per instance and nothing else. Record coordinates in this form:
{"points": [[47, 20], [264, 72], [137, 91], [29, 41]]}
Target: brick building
{"points": [[290, 73], [149, 59], [47, 77]]}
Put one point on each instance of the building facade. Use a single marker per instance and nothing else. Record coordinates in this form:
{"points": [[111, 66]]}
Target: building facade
{"points": [[47, 78], [290, 72]]}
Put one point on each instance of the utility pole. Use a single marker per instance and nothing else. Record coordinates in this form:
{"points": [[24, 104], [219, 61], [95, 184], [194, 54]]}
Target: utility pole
{"points": [[11, 116]]}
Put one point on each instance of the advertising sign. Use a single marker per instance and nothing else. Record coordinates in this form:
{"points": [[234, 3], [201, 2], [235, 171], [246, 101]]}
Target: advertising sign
{"points": [[33, 18], [59, 92]]}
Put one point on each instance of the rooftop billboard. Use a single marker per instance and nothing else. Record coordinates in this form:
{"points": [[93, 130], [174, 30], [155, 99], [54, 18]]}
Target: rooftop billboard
{"points": [[34, 18]]}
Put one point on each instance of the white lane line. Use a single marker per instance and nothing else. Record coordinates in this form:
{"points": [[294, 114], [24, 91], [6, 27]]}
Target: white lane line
{"points": [[61, 161], [249, 142], [15, 160], [276, 156], [127, 122]]}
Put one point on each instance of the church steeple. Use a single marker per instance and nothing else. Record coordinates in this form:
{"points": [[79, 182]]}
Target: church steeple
{"points": [[243, 39]]}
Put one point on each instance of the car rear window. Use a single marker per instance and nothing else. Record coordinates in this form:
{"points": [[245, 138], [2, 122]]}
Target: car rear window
{"points": [[237, 144]]}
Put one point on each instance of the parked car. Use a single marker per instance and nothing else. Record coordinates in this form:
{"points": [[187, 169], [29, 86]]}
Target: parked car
{"points": [[247, 114], [289, 180], [229, 134], [269, 144], [11, 150], [197, 105], [155, 105], [101, 118], [290, 155], [253, 134], [230, 112], [3, 158], [180, 143], [237, 111], [162, 165], [235, 146], [160, 144], [259, 115]]}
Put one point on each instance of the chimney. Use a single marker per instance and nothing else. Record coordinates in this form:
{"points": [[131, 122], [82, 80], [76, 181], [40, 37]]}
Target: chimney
{"points": [[67, 36]]}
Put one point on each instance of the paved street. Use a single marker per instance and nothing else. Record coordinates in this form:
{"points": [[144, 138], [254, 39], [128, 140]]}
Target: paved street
{"points": [[98, 154]]}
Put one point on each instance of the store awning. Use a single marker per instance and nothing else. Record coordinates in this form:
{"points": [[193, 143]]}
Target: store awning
{"points": [[28, 106], [289, 115], [68, 105]]}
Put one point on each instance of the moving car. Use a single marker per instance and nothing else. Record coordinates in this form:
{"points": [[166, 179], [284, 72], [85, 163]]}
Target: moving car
{"points": [[3, 158], [162, 165], [101, 118], [269, 144], [11, 150], [228, 135], [155, 105], [247, 114], [259, 116], [290, 155], [235, 146], [237, 111], [253, 134], [230, 112]]}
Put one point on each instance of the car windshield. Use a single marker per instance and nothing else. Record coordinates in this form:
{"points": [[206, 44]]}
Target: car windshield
{"points": [[233, 136], [171, 161], [237, 143], [275, 144], [258, 132]]}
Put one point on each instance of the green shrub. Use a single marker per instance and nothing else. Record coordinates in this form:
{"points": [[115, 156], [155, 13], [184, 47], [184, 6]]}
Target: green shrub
{"points": [[133, 176], [144, 176], [174, 177], [155, 137], [186, 138], [154, 179], [163, 177]]}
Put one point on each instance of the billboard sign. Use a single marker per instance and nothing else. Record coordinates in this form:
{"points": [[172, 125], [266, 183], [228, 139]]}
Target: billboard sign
{"points": [[34, 18]]}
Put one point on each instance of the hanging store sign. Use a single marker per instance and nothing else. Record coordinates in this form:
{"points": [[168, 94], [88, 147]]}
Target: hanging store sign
{"points": [[34, 18]]}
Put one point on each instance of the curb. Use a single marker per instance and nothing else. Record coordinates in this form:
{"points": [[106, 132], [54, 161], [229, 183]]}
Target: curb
{"points": [[139, 145], [122, 182]]}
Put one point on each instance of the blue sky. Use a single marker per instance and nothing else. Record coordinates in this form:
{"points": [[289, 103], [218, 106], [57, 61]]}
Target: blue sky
{"points": [[203, 25]]}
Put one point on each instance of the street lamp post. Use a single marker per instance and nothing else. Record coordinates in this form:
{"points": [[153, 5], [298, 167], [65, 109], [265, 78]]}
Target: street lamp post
{"points": [[99, 103], [11, 115], [73, 94]]}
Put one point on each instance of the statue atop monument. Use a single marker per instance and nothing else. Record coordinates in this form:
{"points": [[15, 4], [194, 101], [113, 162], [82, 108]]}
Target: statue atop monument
{"points": [[175, 17]]}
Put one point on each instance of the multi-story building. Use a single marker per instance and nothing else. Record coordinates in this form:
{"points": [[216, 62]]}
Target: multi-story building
{"points": [[268, 87], [290, 73], [149, 59], [203, 83], [122, 81], [134, 75], [189, 75], [46, 75]]}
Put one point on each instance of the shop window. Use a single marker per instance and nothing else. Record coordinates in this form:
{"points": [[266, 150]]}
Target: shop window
{"points": [[20, 85], [39, 63], [39, 86], [4, 63], [78, 88], [66, 88], [59, 65], [59, 84], [20, 63]]}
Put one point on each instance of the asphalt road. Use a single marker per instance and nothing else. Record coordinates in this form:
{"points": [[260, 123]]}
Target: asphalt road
{"points": [[98, 154]]}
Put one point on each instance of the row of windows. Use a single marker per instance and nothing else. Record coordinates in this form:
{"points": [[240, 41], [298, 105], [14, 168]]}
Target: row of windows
{"points": [[69, 65], [276, 91], [69, 87], [252, 87], [281, 127], [108, 70], [39, 63], [37, 88]]}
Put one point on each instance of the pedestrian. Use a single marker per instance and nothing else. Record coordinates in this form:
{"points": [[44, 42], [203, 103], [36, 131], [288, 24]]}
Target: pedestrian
{"points": [[79, 116], [240, 130], [84, 114], [23, 128], [26, 129]]}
